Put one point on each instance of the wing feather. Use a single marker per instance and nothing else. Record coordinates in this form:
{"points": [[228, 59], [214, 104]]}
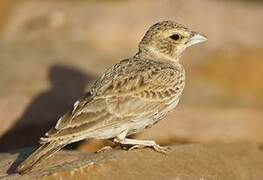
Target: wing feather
{"points": [[124, 92]]}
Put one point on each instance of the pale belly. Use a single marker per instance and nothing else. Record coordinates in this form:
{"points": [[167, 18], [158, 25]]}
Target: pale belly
{"points": [[135, 126]]}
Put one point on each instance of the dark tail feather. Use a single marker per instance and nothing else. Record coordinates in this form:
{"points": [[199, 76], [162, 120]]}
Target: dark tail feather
{"points": [[44, 152]]}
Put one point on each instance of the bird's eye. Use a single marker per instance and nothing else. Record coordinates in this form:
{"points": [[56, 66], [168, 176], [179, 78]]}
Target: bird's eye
{"points": [[175, 37]]}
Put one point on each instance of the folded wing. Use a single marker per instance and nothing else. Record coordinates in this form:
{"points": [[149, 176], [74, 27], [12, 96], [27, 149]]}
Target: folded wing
{"points": [[126, 91]]}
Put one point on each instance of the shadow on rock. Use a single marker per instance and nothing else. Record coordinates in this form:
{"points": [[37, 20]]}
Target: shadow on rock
{"points": [[67, 84], [22, 155]]}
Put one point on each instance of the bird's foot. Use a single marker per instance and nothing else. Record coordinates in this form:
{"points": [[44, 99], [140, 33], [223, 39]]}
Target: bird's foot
{"points": [[156, 147], [140, 143], [105, 148], [136, 147], [160, 149]]}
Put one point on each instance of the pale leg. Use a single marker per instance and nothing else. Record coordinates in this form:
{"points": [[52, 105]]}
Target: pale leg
{"points": [[140, 143]]}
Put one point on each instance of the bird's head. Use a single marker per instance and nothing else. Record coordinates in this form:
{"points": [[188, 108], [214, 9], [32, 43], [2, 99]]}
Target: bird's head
{"points": [[167, 40]]}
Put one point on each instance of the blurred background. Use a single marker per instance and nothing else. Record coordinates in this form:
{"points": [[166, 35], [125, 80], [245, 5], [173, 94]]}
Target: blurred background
{"points": [[52, 50]]}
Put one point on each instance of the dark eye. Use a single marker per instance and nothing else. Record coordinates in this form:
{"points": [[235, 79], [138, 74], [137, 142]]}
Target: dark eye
{"points": [[175, 37]]}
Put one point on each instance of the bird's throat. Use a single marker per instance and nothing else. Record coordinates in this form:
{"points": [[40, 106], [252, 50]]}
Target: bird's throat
{"points": [[151, 53]]}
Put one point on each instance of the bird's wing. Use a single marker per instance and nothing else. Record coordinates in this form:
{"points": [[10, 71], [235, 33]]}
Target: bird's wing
{"points": [[123, 93], [136, 78]]}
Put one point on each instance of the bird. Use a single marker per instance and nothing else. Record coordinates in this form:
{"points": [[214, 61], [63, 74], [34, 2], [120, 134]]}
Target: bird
{"points": [[127, 98]]}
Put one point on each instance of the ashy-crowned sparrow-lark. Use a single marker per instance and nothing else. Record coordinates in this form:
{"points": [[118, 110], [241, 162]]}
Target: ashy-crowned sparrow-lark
{"points": [[129, 97]]}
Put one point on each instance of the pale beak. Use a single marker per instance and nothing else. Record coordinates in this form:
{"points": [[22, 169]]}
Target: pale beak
{"points": [[196, 38]]}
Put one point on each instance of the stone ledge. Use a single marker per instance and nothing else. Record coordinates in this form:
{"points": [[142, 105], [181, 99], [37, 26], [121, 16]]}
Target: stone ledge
{"points": [[182, 162]]}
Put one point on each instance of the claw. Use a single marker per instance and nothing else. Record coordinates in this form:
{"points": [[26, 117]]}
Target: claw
{"points": [[156, 147], [161, 149], [136, 147], [105, 148]]}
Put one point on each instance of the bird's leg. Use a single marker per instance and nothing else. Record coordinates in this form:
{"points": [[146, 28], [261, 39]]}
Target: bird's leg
{"points": [[140, 143]]}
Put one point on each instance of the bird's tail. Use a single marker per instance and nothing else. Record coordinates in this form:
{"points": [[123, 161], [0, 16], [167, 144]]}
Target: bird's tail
{"points": [[44, 152]]}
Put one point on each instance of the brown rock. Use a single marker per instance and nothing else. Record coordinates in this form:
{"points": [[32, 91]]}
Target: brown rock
{"points": [[182, 162]]}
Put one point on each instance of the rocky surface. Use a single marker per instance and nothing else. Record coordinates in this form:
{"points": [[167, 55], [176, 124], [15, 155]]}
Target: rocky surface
{"points": [[182, 162]]}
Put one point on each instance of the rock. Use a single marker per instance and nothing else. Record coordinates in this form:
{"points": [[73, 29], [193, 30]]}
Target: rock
{"points": [[182, 162]]}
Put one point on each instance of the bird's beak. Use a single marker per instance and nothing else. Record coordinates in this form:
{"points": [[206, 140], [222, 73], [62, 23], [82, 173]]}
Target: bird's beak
{"points": [[196, 38]]}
